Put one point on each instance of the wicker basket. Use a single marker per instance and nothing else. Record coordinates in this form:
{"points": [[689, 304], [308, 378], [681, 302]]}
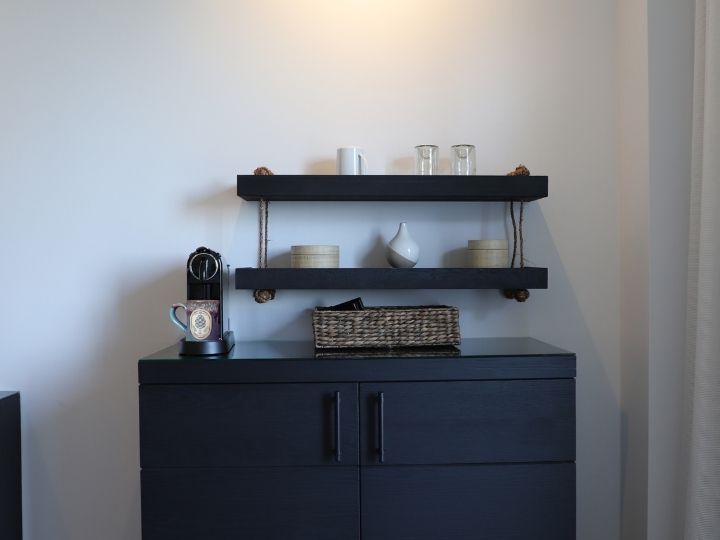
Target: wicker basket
{"points": [[392, 326]]}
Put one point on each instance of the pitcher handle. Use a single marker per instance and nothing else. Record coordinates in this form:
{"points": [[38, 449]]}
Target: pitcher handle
{"points": [[363, 163]]}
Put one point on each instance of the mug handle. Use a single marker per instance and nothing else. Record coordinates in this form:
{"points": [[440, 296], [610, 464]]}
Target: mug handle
{"points": [[175, 320], [363, 164]]}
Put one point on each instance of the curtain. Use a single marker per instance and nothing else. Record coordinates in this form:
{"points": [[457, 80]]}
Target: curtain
{"points": [[702, 512]]}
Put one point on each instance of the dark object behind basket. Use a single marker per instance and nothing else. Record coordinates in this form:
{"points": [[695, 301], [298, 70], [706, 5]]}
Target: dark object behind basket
{"points": [[355, 304]]}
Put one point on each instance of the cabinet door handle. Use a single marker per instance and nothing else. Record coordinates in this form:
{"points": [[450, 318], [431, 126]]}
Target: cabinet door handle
{"points": [[338, 454], [381, 426]]}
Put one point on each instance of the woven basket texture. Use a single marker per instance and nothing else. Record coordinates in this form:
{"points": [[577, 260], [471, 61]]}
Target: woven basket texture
{"points": [[385, 327]]}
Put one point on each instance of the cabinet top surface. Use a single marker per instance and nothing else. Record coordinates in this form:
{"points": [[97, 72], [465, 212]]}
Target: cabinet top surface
{"points": [[299, 361], [470, 348], [6, 394]]}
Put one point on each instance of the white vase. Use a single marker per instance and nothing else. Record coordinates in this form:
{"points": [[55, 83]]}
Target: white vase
{"points": [[402, 250]]}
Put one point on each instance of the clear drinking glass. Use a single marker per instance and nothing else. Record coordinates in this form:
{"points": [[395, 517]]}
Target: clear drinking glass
{"points": [[427, 159], [463, 159]]}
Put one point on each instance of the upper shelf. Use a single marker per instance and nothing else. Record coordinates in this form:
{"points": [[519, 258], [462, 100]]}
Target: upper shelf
{"points": [[391, 278], [283, 187]]}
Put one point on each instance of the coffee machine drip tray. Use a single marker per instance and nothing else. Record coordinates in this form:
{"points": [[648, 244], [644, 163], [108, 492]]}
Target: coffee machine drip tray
{"points": [[208, 348]]}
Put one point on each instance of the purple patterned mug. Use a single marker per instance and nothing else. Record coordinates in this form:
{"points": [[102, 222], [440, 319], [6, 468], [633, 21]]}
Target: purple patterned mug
{"points": [[203, 319]]}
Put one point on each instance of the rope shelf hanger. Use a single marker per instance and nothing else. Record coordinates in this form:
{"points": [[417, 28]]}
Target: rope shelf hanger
{"points": [[263, 295], [518, 294]]}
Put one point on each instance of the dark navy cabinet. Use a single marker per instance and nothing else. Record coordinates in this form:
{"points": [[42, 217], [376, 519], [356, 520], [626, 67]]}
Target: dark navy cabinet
{"points": [[10, 473], [276, 443]]}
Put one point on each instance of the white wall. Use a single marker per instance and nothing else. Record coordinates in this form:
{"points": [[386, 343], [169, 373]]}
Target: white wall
{"points": [[670, 70], [124, 124], [633, 202]]}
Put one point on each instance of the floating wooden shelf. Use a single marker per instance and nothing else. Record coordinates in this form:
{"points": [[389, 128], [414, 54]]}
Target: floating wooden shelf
{"points": [[391, 188], [391, 278]]}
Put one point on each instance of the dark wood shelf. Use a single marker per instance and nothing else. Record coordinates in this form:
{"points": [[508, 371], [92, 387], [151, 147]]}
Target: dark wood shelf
{"points": [[391, 188], [391, 278]]}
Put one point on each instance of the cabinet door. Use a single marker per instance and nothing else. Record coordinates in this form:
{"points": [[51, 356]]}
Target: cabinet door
{"points": [[281, 503], [469, 502], [468, 422], [245, 425]]}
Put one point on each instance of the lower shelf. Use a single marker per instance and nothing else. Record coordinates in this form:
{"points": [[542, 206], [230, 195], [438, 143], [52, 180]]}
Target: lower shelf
{"points": [[391, 278]]}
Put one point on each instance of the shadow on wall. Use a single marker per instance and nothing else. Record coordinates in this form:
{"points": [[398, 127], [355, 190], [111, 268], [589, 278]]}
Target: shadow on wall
{"points": [[96, 432], [321, 166], [455, 258], [376, 255], [557, 317], [211, 202], [281, 260], [407, 165]]}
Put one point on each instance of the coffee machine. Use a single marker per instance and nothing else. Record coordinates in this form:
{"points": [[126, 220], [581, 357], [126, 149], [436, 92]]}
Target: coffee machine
{"points": [[208, 280]]}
